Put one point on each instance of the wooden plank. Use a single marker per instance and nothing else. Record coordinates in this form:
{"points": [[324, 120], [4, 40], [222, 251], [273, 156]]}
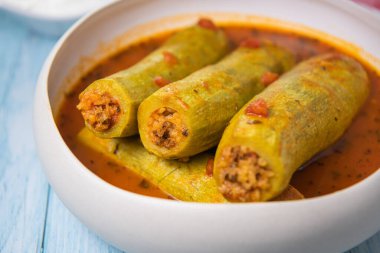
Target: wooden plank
{"points": [[23, 187], [372, 245], [64, 232]]}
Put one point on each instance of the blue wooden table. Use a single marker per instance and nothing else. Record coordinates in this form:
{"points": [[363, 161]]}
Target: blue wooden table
{"points": [[32, 218]]}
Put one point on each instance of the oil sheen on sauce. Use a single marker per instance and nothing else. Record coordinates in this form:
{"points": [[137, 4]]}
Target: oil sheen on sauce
{"points": [[354, 157]]}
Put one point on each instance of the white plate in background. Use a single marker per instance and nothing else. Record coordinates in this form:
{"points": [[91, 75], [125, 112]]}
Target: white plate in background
{"points": [[51, 17]]}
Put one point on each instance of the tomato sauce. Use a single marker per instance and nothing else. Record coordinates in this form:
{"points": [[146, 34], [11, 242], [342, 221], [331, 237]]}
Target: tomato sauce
{"points": [[354, 157]]}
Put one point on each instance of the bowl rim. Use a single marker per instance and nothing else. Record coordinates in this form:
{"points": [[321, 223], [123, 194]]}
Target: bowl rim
{"points": [[43, 85]]}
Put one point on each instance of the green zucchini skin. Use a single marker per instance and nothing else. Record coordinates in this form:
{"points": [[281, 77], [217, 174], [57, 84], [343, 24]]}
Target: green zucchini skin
{"points": [[183, 181], [207, 99], [190, 181], [192, 48], [309, 108]]}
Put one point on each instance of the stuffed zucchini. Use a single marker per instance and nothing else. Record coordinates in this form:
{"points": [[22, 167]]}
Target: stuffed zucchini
{"points": [[188, 116], [109, 105], [299, 115], [190, 181]]}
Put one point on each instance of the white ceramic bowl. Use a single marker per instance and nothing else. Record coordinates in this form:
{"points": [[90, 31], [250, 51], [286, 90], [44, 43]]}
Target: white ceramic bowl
{"points": [[332, 223]]}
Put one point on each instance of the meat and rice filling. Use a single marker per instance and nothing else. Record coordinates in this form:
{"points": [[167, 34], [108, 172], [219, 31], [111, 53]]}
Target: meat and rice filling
{"points": [[100, 111], [166, 128], [244, 174]]}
